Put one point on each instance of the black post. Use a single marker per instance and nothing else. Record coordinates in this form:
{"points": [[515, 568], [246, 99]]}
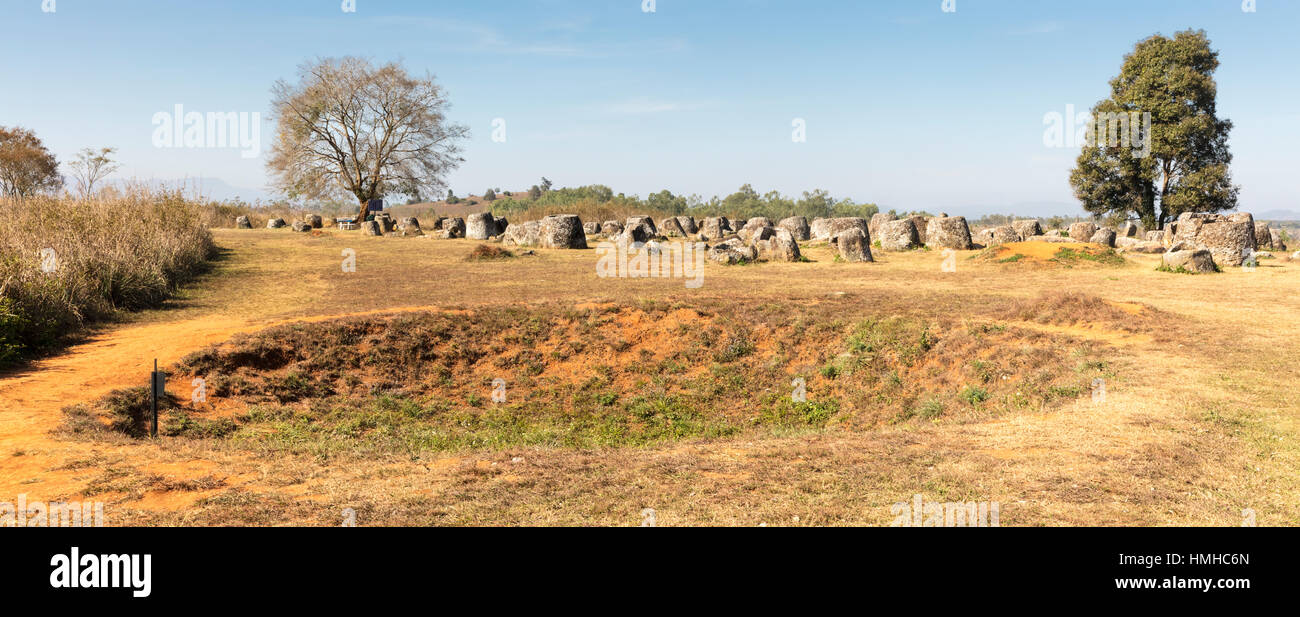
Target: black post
{"points": [[153, 387]]}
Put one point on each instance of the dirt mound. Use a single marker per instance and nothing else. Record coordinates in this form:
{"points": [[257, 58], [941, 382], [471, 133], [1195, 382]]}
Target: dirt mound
{"points": [[1058, 254], [488, 252], [601, 376], [1074, 309]]}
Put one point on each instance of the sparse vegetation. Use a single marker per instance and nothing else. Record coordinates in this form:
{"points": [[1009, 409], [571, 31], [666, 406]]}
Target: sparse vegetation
{"points": [[1164, 267], [124, 412], [1069, 256]]}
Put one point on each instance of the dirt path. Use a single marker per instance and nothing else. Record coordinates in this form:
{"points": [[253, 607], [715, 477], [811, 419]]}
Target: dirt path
{"points": [[31, 402]]}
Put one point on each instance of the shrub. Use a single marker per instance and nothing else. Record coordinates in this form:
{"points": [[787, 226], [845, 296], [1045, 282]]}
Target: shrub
{"points": [[487, 252], [735, 348], [974, 396]]}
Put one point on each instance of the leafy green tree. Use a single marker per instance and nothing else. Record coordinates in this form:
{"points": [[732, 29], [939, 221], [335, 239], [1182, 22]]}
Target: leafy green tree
{"points": [[665, 201], [744, 202], [817, 203], [490, 195], [1179, 162]]}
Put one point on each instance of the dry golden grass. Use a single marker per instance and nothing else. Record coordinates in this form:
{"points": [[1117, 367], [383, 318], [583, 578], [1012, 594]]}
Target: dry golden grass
{"points": [[1199, 422], [67, 262]]}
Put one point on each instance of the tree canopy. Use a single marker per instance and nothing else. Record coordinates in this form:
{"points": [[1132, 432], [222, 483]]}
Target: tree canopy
{"points": [[1177, 163], [349, 127], [26, 166]]}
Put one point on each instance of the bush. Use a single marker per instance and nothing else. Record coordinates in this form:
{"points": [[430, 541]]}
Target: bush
{"points": [[974, 395], [109, 254], [12, 327], [487, 252]]}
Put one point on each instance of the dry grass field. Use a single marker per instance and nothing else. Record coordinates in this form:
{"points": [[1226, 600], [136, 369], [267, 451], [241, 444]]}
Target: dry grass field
{"points": [[370, 391]]}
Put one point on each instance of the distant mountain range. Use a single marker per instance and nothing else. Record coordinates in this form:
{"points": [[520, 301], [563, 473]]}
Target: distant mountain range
{"points": [[1277, 215]]}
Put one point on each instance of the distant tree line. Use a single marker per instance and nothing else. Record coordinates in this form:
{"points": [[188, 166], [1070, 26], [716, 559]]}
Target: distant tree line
{"points": [[744, 203]]}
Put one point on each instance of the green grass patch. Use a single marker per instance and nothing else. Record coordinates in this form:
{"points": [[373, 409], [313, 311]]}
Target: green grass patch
{"points": [[1068, 256]]}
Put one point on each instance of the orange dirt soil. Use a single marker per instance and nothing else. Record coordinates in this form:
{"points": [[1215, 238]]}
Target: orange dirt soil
{"points": [[32, 400], [1041, 251]]}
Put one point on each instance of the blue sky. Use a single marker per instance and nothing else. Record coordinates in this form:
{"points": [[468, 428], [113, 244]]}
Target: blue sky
{"points": [[905, 105]]}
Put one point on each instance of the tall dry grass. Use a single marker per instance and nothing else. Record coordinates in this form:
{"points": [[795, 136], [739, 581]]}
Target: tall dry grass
{"points": [[66, 262]]}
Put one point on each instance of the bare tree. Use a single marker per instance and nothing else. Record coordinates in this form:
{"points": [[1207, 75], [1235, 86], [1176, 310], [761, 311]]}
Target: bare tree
{"points": [[348, 127], [26, 167], [90, 167]]}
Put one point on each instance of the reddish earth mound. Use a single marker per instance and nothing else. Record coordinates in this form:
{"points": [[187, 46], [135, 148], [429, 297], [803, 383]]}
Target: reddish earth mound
{"points": [[599, 376], [1061, 254]]}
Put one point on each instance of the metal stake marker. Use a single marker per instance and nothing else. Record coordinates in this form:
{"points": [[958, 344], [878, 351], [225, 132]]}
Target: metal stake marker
{"points": [[157, 384]]}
